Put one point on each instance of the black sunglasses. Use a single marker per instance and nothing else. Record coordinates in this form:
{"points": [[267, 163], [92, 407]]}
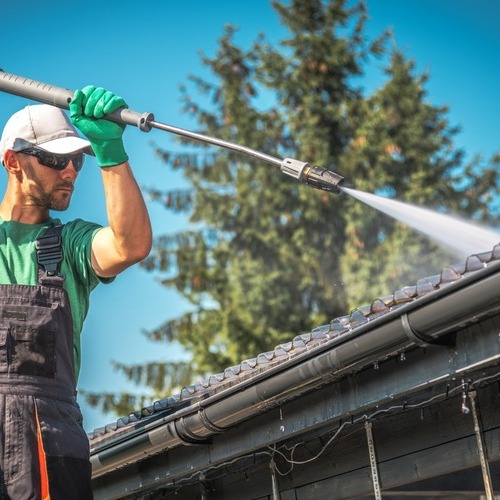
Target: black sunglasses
{"points": [[55, 161]]}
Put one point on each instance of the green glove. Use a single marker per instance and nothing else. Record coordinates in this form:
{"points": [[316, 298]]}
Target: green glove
{"points": [[87, 109]]}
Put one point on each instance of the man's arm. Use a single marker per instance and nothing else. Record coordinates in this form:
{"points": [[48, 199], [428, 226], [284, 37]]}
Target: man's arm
{"points": [[128, 237]]}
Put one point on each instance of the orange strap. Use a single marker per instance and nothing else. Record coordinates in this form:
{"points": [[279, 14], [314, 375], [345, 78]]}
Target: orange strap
{"points": [[42, 462]]}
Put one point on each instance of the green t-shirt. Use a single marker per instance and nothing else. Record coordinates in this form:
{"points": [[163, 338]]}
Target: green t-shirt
{"points": [[18, 265]]}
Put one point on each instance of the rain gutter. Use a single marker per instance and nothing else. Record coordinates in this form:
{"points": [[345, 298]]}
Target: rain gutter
{"points": [[424, 321]]}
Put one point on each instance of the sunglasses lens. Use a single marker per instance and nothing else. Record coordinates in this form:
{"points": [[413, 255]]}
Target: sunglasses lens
{"points": [[52, 161], [56, 162], [78, 161]]}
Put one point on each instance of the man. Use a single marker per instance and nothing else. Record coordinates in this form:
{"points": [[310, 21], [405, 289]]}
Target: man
{"points": [[46, 276]]}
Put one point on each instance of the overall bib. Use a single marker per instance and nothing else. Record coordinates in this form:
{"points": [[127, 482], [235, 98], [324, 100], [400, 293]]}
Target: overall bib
{"points": [[44, 451]]}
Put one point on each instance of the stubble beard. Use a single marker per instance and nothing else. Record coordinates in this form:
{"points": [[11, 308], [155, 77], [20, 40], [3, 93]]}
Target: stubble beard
{"points": [[58, 201], [57, 198]]}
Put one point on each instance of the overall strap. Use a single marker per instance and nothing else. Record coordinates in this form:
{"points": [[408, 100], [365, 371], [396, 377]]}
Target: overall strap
{"points": [[49, 256]]}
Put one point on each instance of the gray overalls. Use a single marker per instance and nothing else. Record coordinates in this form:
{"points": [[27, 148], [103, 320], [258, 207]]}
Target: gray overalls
{"points": [[44, 451]]}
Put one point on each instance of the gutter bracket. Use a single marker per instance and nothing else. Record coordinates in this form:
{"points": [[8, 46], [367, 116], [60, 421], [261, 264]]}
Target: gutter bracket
{"points": [[423, 340], [187, 437], [190, 438]]}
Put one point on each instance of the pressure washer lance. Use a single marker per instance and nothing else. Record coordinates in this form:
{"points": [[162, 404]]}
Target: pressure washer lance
{"points": [[317, 177]]}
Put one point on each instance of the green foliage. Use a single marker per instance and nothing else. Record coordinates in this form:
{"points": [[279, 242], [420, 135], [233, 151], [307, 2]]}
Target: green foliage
{"points": [[121, 404], [271, 258]]}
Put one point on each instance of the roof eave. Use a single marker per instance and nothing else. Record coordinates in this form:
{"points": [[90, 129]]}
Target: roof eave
{"points": [[425, 320]]}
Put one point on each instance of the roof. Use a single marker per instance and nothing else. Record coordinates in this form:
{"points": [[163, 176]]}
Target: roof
{"points": [[413, 317]]}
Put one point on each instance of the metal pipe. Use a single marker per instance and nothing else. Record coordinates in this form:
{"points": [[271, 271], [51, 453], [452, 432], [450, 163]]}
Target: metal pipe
{"points": [[481, 446], [373, 461], [217, 142], [61, 98], [274, 480]]}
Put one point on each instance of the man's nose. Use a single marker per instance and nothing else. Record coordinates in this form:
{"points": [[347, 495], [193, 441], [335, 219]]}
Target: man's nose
{"points": [[70, 171]]}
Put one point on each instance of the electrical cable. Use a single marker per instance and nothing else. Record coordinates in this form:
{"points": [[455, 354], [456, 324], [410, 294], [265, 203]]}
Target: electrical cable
{"points": [[273, 451]]}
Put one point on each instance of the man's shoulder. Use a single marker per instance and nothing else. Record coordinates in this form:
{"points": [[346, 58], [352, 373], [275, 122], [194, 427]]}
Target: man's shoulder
{"points": [[77, 236], [19, 232], [79, 227]]}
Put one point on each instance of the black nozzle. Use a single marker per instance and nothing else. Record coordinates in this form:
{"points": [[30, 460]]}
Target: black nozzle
{"points": [[317, 177], [324, 179]]}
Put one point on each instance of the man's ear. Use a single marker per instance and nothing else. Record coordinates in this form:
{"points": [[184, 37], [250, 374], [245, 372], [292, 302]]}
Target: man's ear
{"points": [[11, 162]]}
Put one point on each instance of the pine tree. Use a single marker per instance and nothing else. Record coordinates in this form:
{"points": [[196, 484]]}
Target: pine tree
{"points": [[270, 258]]}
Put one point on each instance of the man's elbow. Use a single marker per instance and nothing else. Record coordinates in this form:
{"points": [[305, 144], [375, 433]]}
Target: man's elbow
{"points": [[139, 251], [133, 250]]}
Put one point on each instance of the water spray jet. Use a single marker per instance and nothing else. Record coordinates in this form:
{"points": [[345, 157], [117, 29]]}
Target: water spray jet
{"points": [[460, 237], [314, 176]]}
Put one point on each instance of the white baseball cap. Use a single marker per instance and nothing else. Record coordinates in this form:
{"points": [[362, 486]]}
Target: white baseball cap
{"points": [[45, 127]]}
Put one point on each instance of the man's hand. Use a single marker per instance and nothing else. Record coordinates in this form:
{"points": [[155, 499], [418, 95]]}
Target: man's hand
{"points": [[87, 109]]}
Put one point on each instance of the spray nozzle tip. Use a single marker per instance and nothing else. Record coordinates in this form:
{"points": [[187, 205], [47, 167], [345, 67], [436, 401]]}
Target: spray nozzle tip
{"points": [[324, 179], [315, 176]]}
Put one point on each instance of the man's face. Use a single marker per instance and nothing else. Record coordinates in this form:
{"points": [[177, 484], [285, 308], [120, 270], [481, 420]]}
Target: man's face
{"points": [[47, 188]]}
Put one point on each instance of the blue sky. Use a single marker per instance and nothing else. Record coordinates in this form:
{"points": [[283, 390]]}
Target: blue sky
{"points": [[143, 51]]}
